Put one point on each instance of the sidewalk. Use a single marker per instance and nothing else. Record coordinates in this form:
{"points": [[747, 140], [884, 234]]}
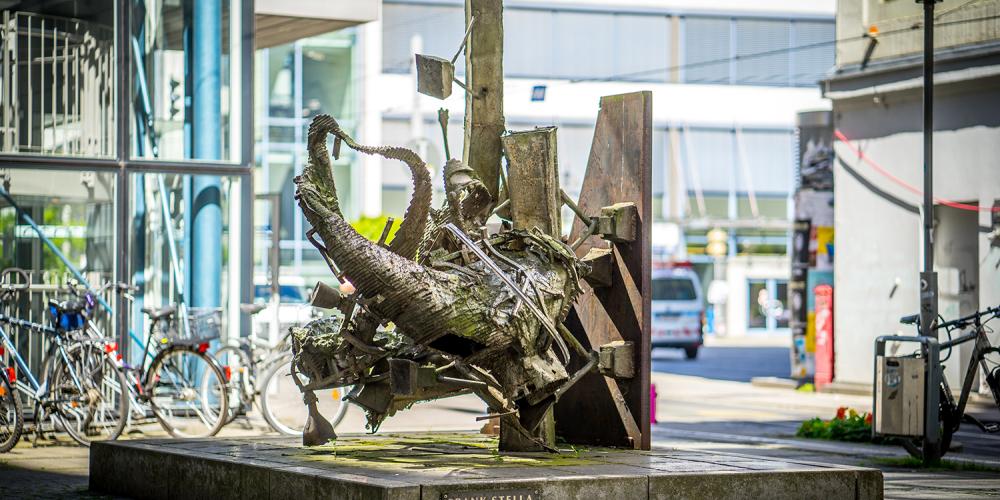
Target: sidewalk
{"points": [[695, 414], [701, 413]]}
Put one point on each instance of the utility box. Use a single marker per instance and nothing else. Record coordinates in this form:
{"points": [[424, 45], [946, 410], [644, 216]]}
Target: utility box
{"points": [[899, 394]]}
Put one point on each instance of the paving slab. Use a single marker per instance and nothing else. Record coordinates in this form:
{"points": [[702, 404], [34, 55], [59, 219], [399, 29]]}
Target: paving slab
{"points": [[453, 466]]}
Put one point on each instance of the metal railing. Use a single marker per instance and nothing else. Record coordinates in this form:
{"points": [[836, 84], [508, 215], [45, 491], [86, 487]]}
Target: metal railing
{"points": [[31, 305], [57, 91]]}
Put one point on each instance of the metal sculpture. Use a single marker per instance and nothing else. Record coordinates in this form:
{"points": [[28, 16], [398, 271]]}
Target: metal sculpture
{"points": [[511, 312], [471, 312]]}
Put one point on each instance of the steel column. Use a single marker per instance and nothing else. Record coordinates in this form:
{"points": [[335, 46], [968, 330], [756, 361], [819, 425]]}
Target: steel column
{"points": [[206, 209]]}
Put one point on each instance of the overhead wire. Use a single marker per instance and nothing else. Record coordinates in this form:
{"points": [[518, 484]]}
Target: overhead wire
{"points": [[902, 183], [772, 52]]}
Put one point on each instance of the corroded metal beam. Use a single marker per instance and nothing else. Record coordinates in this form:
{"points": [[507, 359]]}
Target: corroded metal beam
{"points": [[484, 120]]}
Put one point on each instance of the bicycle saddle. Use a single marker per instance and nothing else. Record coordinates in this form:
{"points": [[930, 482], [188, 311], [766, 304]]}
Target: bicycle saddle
{"points": [[252, 308], [158, 313]]}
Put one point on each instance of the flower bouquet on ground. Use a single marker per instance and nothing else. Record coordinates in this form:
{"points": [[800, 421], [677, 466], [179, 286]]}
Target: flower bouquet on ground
{"points": [[847, 425]]}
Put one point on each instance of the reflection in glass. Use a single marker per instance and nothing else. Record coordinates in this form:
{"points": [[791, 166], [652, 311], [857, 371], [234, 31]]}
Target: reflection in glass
{"points": [[57, 226], [73, 213], [165, 248], [186, 104], [58, 81], [297, 81]]}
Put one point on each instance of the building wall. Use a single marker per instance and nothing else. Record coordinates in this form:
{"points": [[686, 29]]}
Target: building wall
{"points": [[716, 103], [878, 221], [727, 79], [739, 272], [957, 24]]}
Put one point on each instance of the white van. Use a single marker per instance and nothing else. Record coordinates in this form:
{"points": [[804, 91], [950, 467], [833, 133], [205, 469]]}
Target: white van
{"points": [[678, 310]]}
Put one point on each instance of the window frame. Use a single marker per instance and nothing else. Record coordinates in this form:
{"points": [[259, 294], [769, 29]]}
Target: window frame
{"points": [[123, 164]]}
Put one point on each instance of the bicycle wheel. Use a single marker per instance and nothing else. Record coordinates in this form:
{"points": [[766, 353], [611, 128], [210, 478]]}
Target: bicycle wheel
{"points": [[187, 392], [88, 391], [281, 401], [236, 364], [11, 416]]}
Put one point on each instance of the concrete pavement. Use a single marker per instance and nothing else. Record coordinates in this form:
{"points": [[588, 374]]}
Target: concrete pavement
{"points": [[702, 413], [696, 413]]}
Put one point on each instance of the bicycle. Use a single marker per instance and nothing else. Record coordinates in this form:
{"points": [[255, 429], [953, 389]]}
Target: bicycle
{"points": [[281, 399], [81, 388], [176, 402], [944, 415], [11, 415], [258, 368], [185, 387]]}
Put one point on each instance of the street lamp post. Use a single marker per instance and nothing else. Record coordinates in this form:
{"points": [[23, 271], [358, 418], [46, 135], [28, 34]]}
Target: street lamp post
{"points": [[931, 446], [928, 278]]}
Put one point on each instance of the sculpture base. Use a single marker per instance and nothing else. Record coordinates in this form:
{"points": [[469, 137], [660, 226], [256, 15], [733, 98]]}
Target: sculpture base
{"points": [[451, 466]]}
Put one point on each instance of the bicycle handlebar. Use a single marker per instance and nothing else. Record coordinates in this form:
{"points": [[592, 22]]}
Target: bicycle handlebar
{"points": [[959, 323], [9, 287], [74, 287]]}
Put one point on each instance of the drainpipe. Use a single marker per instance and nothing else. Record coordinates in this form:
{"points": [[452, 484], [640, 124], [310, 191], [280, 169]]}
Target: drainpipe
{"points": [[206, 210]]}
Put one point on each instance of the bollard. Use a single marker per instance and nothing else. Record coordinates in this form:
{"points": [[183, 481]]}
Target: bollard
{"points": [[652, 403]]}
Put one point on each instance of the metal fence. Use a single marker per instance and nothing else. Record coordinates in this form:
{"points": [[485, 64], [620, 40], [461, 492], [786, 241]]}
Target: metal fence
{"points": [[57, 93]]}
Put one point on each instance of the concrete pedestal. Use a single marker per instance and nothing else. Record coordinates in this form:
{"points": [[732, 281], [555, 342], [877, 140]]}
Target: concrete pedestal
{"points": [[452, 466]]}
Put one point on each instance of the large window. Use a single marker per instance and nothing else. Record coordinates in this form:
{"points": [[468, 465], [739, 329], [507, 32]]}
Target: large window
{"points": [[762, 48], [707, 48], [171, 262], [579, 45], [58, 92], [440, 29], [186, 102], [123, 152], [295, 82]]}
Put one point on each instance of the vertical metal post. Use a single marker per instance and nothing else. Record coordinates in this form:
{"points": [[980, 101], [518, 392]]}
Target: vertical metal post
{"points": [[120, 94], [6, 92], [55, 80], [41, 88], [206, 233], [931, 446], [247, 159], [31, 90], [928, 278]]}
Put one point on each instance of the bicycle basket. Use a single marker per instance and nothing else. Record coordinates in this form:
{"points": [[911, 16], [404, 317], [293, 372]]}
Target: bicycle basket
{"points": [[204, 323]]}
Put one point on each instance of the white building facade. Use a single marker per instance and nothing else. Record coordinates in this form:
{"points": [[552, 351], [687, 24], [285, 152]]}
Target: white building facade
{"points": [[877, 105], [727, 79]]}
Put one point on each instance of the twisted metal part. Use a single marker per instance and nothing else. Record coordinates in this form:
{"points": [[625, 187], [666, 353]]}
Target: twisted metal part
{"points": [[411, 229]]}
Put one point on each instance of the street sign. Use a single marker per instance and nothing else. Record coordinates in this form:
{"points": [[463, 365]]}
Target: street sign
{"points": [[538, 93]]}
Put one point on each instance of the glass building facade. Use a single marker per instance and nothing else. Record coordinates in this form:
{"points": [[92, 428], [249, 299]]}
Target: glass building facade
{"points": [[126, 156], [294, 83]]}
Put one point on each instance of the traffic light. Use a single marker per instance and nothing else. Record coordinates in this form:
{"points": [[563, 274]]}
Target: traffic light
{"points": [[717, 246]]}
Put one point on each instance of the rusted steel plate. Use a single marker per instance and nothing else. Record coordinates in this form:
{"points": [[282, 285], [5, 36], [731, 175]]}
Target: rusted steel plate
{"points": [[619, 170]]}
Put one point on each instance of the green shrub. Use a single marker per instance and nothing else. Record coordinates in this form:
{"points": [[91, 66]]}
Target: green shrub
{"points": [[371, 227]]}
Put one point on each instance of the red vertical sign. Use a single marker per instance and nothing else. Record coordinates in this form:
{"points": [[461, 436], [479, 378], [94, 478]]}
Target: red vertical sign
{"points": [[824, 335]]}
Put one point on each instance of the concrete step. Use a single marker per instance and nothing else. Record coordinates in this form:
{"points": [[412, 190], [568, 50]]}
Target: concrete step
{"points": [[450, 466]]}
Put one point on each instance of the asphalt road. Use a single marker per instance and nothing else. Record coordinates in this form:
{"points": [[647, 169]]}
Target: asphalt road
{"points": [[736, 364]]}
